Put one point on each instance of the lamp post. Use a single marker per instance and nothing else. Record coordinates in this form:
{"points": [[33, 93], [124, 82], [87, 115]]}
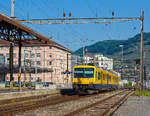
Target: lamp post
{"points": [[121, 46]]}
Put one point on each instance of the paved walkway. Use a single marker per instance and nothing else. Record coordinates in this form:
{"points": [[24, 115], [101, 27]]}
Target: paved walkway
{"points": [[134, 106]]}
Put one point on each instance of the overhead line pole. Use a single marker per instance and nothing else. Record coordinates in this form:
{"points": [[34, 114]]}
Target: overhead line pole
{"points": [[141, 53], [12, 8]]}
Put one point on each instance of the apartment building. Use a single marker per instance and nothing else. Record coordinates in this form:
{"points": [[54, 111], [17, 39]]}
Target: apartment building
{"points": [[40, 62], [99, 60]]}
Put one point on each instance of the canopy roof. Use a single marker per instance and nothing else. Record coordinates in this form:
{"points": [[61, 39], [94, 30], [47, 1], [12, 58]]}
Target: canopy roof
{"points": [[9, 28]]}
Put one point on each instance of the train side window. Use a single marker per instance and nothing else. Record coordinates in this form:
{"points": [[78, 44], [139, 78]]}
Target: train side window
{"points": [[106, 77], [109, 78], [113, 79], [103, 77], [98, 75]]}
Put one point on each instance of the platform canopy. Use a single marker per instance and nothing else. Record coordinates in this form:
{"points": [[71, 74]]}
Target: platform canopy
{"points": [[10, 30]]}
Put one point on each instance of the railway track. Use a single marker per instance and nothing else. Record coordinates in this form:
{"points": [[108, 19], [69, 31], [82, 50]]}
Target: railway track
{"points": [[61, 104], [104, 107], [13, 106]]}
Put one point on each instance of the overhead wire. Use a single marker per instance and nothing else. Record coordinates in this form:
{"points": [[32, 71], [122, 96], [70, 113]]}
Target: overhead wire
{"points": [[38, 7], [47, 16]]}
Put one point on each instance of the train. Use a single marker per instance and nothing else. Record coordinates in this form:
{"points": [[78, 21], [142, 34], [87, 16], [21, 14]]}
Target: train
{"points": [[88, 77]]}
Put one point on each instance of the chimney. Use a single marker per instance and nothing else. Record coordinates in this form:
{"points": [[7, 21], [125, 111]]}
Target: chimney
{"points": [[50, 39]]}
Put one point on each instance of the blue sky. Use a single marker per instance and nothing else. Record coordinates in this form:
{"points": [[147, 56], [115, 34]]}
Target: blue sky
{"points": [[73, 35]]}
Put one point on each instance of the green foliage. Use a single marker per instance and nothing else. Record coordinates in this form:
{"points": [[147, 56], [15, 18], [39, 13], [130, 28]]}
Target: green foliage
{"points": [[15, 85], [144, 93], [28, 84], [128, 84], [112, 47], [7, 85]]}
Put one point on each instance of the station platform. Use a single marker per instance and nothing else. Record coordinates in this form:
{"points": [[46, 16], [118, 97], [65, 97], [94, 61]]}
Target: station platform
{"points": [[39, 89], [134, 106], [10, 94]]}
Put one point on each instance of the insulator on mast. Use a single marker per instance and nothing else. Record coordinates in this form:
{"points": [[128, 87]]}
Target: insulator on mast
{"points": [[64, 14], [70, 14], [113, 13]]}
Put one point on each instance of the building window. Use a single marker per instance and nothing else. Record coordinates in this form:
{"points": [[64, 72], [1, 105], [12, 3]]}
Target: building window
{"points": [[14, 55], [26, 48], [1, 48], [32, 47], [38, 47], [38, 62], [32, 55], [32, 62], [50, 55], [7, 55], [62, 65], [26, 63], [26, 55], [50, 63], [38, 55], [38, 79], [50, 47], [15, 62]]}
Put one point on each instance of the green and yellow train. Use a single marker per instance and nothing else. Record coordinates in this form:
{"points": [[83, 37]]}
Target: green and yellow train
{"points": [[86, 77]]}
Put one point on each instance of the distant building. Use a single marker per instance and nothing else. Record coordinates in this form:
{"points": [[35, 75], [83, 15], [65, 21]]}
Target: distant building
{"points": [[2, 59], [76, 60], [99, 60], [40, 62]]}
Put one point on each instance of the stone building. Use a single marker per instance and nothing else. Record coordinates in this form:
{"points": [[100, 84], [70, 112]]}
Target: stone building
{"points": [[40, 62]]}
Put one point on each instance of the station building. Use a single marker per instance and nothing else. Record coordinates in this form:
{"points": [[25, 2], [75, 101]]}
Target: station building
{"points": [[41, 62]]}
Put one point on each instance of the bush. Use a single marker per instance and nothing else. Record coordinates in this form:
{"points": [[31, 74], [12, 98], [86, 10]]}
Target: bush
{"points": [[28, 84], [128, 84], [7, 85], [144, 93], [15, 84]]}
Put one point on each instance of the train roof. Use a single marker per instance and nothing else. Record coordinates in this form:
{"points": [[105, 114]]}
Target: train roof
{"points": [[84, 66], [91, 66]]}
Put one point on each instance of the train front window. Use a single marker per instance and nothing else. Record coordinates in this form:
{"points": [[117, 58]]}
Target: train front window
{"points": [[84, 72]]}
